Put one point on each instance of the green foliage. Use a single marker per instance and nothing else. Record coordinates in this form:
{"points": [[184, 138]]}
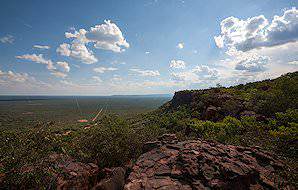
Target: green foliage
{"points": [[172, 121], [281, 96], [284, 128], [285, 125], [109, 145], [249, 122], [113, 142], [291, 115], [289, 133], [225, 131], [18, 148], [26, 149], [233, 125]]}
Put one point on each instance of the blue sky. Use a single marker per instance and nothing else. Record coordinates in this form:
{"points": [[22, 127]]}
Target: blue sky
{"points": [[143, 46]]}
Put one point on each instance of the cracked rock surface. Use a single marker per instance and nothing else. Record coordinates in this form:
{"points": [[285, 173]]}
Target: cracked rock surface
{"points": [[198, 164]]}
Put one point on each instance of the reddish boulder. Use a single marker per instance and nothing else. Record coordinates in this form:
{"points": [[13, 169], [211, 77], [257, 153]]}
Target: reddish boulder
{"points": [[70, 174]]}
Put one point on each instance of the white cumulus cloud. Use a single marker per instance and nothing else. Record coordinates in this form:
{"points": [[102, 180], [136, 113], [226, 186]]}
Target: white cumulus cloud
{"points": [[253, 64], [96, 79], [197, 74], [256, 32], [38, 59], [67, 83], [64, 65], [150, 73], [64, 49], [104, 69], [177, 64], [251, 61], [41, 47], [186, 76], [107, 36], [11, 76], [78, 51], [59, 74], [206, 71]]}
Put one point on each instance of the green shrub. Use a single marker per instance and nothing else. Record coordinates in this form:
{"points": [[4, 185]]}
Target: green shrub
{"points": [[232, 125], [223, 131], [288, 134], [284, 129], [115, 143], [291, 115]]}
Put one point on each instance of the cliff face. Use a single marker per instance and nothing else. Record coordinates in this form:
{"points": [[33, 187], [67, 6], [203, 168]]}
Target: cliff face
{"points": [[182, 98], [191, 98], [210, 104]]}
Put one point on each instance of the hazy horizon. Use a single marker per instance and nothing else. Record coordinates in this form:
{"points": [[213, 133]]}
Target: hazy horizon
{"points": [[115, 95]]}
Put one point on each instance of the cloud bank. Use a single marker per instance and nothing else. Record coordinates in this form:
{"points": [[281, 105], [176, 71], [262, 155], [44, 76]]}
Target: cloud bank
{"points": [[11, 76], [256, 32]]}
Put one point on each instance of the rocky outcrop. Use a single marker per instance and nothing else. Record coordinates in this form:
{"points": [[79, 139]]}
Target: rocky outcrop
{"points": [[198, 164], [181, 98], [208, 104], [170, 164], [69, 173]]}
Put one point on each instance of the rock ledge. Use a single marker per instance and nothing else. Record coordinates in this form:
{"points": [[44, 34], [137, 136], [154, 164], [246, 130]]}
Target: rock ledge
{"points": [[202, 164]]}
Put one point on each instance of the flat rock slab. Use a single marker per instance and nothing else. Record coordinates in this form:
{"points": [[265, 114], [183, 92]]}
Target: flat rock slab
{"points": [[202, 164]]}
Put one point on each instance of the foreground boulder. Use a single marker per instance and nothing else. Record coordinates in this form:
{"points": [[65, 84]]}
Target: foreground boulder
{"points": [[202, 164], [70, 174]]}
